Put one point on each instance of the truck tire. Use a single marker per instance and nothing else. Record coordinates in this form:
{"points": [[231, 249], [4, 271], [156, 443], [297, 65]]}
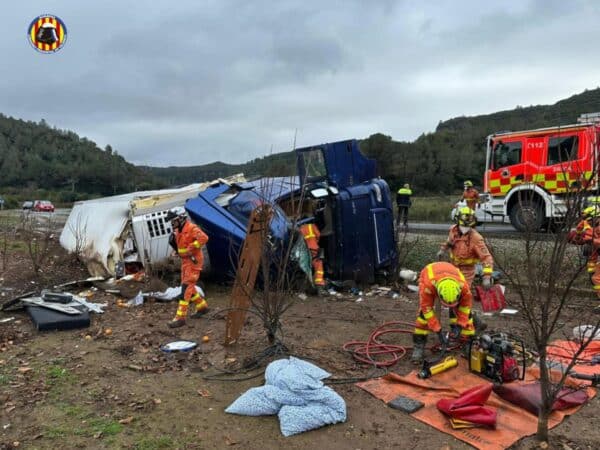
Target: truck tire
{"points": [[527, 215]]}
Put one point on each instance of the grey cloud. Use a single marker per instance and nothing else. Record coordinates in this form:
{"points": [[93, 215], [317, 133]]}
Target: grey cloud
{"points": [[191, 82]]}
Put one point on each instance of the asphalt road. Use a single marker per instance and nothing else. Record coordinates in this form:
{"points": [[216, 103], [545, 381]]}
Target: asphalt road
{"points": [[443, 227]]}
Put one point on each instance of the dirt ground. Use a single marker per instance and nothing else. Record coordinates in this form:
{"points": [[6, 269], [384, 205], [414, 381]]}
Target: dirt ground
{"points": [[95, 388]]}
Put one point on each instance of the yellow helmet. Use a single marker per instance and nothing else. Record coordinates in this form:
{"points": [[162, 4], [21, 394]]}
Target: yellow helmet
{"points": [[590, 212], [594, 200], [466, 217], [468, 183], [449, 291]]}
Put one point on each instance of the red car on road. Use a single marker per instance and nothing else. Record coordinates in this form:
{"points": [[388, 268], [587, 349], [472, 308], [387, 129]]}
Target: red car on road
{"points": [[43, 206]]}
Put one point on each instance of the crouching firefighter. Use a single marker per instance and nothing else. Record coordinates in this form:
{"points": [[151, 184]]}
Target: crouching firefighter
{"points": [[443, 281], [311, 235], [187, 240]]}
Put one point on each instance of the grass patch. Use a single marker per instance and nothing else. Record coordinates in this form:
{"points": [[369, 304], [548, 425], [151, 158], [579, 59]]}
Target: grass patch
{"points": [[5, 379], [432, 209], [162, 442], [76, 420]]}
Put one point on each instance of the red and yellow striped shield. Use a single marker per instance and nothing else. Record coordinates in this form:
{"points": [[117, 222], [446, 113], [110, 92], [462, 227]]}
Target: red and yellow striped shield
{"points": [[47, 33]]}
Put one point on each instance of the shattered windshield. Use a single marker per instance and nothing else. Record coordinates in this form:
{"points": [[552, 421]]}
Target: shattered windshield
{"points": [[314, 164]]}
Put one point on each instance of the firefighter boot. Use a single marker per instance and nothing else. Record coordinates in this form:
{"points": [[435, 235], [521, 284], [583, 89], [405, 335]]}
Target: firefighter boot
{"points": [[419, 341], [176, 323]]}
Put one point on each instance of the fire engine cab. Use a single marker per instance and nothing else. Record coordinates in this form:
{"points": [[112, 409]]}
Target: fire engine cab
{"points": [[529, 173]]}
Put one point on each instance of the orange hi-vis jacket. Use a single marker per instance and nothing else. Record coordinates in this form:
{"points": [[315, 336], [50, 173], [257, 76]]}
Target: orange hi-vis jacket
{"points": [[472, 197], [594, 238], [582, 233], [189, 243], [468, 249], [430, 276], [311, 235]]}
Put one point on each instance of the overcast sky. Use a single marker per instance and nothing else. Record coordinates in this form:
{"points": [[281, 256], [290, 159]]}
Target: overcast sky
{"points": [[191, 81]]}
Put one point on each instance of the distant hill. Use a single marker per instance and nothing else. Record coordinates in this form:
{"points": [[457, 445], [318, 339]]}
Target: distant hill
{"points": [[436, 162], [37, 161]]}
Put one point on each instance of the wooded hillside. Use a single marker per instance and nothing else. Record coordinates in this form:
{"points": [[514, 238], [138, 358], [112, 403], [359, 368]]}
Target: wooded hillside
{"points": [[37, 161], [437, 162]]}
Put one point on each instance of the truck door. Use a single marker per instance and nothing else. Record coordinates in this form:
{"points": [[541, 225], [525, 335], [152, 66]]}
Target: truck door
{"points": [[507, 168]]}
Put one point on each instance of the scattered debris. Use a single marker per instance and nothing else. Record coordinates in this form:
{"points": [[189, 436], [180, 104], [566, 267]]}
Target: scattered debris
{"points": [[179, 346]]}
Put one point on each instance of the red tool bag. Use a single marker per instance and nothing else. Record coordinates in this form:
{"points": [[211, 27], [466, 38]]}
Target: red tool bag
{"points": [[469, 406], [492, 299]]}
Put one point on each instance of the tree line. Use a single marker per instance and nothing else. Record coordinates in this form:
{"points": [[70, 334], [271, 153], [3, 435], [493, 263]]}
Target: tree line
{"points": [[38, 161]]}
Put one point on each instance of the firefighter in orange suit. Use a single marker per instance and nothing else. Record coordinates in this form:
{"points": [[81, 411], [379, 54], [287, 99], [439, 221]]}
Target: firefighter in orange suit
{"points": [[311, 235], [443, 281], [467, 248], [593, 237], [187, 240], [470, 195], [583, 235]]}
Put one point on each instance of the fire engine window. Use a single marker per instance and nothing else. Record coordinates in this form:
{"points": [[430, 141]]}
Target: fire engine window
{"points": [[507, 154], [563, 148]]}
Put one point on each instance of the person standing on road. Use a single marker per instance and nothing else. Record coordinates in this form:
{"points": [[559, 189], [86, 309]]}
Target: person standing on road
{"points": [[467, 248], [443, 281], [403, 202], [187, 240], [470, 195]]}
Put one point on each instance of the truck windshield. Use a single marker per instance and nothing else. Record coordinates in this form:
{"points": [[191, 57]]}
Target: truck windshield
{"points": [[314, 164], [506, 154]]}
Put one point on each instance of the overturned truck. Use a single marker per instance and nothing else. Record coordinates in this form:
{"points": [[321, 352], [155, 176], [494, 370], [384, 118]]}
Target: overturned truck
{"points": [[335, 185]]}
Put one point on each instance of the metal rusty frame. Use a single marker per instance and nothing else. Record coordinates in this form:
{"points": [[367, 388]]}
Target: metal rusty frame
{"points": [[247, 270]]}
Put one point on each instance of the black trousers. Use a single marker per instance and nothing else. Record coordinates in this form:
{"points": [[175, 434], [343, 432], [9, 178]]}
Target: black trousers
{"points": [[403, 214]]}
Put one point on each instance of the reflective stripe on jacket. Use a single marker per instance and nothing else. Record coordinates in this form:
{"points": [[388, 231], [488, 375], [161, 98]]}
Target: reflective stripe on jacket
{"points": [[468, 249], [190, 241], [430, 276]]}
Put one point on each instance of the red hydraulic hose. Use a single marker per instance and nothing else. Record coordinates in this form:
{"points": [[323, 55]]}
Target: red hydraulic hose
{"points": [[377, 353]]}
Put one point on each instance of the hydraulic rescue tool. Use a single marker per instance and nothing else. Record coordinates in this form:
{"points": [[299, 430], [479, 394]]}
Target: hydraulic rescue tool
{"points": [[439, 364], [493, 356]]}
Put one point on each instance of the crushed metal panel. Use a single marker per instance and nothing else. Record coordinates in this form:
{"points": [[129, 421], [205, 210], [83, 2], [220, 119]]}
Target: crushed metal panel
{"points": [[98, 229], [247, 271], [94, 229]]}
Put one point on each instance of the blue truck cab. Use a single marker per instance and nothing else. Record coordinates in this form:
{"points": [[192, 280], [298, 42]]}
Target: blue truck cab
{"points": [[355, 214], [339, 190]]}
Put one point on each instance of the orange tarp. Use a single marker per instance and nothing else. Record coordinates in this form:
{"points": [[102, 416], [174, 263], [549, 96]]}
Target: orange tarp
{"points": [[563, 351], [513, 423]]}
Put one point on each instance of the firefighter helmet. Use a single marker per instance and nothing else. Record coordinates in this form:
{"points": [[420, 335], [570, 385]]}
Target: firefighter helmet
{"points": [[449, 291], [466, 217], [468, 184], [591, 212], [177, 212]]}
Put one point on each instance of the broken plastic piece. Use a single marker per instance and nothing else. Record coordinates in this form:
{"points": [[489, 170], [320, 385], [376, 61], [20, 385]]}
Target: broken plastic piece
{"points": [[179, 346]]}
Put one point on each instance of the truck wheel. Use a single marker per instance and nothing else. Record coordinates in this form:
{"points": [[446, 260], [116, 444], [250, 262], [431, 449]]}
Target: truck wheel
{"points": [[527, 215]]}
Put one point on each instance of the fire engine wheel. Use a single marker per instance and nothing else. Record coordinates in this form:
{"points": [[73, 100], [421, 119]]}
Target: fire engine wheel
{"points": [[527, 215]]}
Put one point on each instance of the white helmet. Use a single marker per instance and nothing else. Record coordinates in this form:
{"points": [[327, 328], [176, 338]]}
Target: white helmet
{"points": [[176, 212]]}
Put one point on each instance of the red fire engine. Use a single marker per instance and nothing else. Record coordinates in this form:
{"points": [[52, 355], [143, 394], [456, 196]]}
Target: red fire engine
{"points": [[528, 173]]}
